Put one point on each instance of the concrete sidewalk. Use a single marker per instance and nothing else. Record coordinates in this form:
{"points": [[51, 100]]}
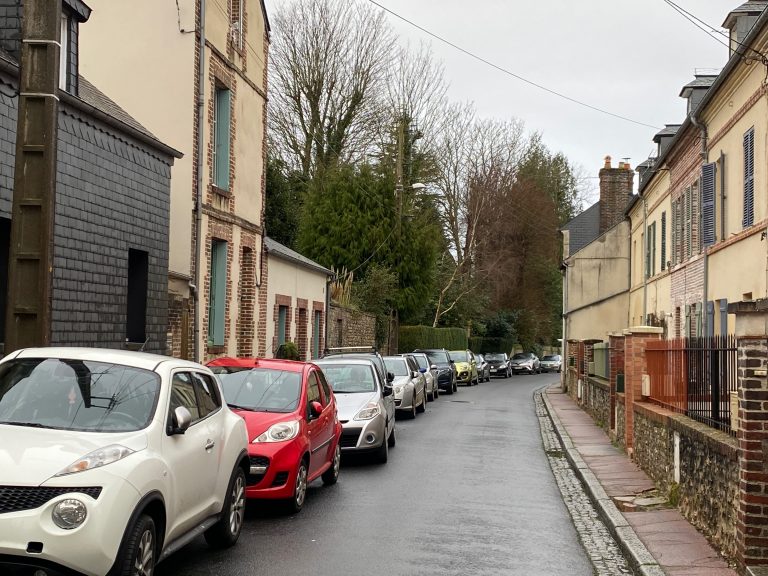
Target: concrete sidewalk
{"points": [[655, 538]]}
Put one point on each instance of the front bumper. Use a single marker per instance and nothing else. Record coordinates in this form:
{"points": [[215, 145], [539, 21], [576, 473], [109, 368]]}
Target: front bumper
{"points": [[550, 367], [519, 369], [498, 371], [273, 469], [30, 538], [358, 436], [445, 380]]}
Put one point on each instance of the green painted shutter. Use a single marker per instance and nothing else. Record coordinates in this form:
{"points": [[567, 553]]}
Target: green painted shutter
{"points": [[663, 241], [282, 313], [749, 179], [221, 143], [708, 204], [316, 336], [218, 293]]}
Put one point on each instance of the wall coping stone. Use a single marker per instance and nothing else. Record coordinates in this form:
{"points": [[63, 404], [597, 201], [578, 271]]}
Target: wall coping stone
{"points": [[620, 397], [643, 330], [600, 382]]}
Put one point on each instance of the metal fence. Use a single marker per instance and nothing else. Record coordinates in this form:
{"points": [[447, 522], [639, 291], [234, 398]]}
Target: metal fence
{"points": [[601, 354], [694, 376]]}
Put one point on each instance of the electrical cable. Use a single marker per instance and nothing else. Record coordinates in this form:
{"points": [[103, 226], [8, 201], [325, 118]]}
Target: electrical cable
{"points": [[509, 72]]}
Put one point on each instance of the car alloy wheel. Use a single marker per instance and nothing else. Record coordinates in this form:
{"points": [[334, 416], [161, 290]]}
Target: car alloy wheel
{"points": [[145, 553], [237, 505], [331, 475], [300, 489], [412, 413], [226, 531]]}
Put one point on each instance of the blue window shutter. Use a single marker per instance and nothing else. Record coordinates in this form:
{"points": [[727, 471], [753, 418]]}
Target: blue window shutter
{"points": [[675, 226], [708, 172], [710, 318], [218, 293], [282, 314], [221, 142], [749, 179], [663, 241], [316, 336]]}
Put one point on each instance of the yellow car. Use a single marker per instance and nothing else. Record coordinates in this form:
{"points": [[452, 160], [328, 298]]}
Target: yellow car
{"points": [[466, 367]]}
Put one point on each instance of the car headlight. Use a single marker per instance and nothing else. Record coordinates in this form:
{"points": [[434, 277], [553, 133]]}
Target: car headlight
{"points": [[279, 432], [398, 390], [371, 410], [69, 514], [97, 459]]}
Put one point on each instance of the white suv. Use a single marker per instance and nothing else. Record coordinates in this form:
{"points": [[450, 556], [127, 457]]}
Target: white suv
{"points": [[112, 460]]}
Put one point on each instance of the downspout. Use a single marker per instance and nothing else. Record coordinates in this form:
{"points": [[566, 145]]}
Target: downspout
{"points": [[704, 293], [199, 181], [564, 347], [648, 257]]}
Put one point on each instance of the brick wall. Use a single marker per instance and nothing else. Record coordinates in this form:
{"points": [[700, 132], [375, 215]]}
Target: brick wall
{"points": [[246, 296], [112, 194], [180, 314], [348, 327], [635, 366], [616, 344], [302, 329], [615, 192]]}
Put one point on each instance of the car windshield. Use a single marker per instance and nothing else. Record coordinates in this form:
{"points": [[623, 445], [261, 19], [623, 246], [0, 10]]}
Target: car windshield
{"points": [[494, 357], [437, 357], [459, 355], [522, 356], [550, 358], [397, 366], [421, 360], [478, 359], [260, 389], [348, 378], [80, 395]]}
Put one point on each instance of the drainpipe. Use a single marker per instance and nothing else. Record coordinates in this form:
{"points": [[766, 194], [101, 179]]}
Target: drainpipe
{"points": [[648, 255], [564, 347], [704, 157], [199, 181]]}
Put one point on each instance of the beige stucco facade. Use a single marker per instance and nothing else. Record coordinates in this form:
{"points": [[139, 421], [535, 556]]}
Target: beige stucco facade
{"points": [[157, 83]]}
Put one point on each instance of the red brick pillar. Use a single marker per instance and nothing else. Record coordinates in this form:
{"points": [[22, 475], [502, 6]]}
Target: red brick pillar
{"points": [[635, 366], [616, 351], [752, 522], [575, 371]]}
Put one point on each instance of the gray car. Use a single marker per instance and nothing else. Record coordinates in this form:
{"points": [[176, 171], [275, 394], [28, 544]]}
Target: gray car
{"points": [[365, 405], [433, 390], [410, 391]]}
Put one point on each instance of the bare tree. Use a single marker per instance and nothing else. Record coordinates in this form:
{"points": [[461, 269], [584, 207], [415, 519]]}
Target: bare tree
{"points": [[329, 61]]}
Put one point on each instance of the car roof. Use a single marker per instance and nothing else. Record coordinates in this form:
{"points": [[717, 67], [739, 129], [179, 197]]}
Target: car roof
{"points": [[268, 363], [143, 360], [351, 361]]}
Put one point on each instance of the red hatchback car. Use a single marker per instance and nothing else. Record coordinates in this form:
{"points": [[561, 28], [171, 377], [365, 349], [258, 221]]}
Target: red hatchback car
{"points": [[290, 412]]}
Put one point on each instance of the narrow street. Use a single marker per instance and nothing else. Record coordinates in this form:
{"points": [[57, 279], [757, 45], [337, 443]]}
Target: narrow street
{"points": [[467, 490]]}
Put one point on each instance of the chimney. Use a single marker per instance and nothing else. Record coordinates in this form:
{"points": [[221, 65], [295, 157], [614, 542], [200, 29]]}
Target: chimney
{"points": [[740, 22], [615, 193]]}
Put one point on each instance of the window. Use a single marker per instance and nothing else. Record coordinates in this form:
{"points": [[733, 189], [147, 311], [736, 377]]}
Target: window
{"points": [[64, 53], [313, 389], [316, 335], [138, 283], [688, 222], [663, 265], [326, 388], [708, 204], [183, 394], [650, 251], [723, 200], [218, 293], [207, 394], [236, 13], [221, 141], [749, 179], [282, 324]]}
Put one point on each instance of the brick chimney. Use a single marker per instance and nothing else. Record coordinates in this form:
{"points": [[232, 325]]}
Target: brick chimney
{"points": [[615, 193]]}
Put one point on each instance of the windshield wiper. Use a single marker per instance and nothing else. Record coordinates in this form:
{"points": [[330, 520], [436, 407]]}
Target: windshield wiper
{"points": [[27, 424], [237, 407]]}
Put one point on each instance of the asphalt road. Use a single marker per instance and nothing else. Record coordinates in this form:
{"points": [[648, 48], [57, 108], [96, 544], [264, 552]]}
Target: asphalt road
{"points": [[467, 491]]}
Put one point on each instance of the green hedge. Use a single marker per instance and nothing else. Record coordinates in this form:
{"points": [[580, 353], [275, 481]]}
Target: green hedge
{"points": [[412, 337], [480, 345]]}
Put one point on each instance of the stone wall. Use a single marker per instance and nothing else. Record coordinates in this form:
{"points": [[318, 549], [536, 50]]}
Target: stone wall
{"points": [[620, 420], [596, 400], [709, 470], [349, 327]]}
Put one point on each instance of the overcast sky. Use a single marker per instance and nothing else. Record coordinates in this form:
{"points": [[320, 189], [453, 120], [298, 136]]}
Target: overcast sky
{"points": [[630, 57]]}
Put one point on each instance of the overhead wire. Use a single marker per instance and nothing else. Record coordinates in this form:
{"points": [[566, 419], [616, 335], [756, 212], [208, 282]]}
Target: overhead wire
{"points": [[509, 72]]}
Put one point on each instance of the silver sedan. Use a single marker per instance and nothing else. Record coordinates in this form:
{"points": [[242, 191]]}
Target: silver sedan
{"points": [[410, 391]]}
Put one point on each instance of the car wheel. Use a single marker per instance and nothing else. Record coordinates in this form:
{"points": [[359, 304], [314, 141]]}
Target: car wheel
{"points": [[382, 454], [436, 392], [296, 503], [412, 413], [331, 475], [455, 386], [391, 441], [423, 406], [138, 554], [450, 389], [226, 531]]}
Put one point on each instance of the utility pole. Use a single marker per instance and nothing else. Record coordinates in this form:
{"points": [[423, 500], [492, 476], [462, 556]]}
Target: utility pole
{"points": [[394, 334], [28, 320]]}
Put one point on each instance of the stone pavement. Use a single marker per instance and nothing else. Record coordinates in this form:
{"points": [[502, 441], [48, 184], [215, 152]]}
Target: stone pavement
{"points": [[657, 540]]}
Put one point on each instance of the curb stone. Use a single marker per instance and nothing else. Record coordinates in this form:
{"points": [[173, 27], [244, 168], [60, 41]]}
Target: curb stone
{"points": [[643, 563]]}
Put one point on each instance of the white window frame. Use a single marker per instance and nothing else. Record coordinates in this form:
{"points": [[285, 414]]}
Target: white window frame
{"points": [[64, 53]]}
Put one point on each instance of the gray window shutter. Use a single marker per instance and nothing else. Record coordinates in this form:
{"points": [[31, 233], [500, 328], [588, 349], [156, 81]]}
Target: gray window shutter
{"points": [[708, 172], [710, 318], [675, 239], [663, 241], [724, 317], [749, 179]]}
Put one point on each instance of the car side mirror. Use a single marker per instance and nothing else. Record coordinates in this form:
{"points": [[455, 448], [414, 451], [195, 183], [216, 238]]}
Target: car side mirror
{"points": [[423, 370], [180, 421], [390, 376], [387, 391], [433, 367], [315, 409], [415, 374]]}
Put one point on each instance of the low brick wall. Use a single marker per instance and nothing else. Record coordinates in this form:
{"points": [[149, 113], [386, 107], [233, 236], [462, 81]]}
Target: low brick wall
{"points": [[596, 400], [620, 433], [571, 380], [709, 470]]}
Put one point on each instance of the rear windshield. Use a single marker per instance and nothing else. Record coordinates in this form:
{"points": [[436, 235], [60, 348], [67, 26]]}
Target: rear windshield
{"points": [[437, 357], [260, 389], [348, 378], [397, 366], [459, 355]]}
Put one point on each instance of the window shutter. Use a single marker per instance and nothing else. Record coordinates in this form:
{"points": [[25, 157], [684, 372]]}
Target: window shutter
{"points": [[749, 179], [724, 317], [675, 238], [663, 241], [218, 294], [221, 143], [653, 249], [688, 223], [647, 251], [708, 172]]}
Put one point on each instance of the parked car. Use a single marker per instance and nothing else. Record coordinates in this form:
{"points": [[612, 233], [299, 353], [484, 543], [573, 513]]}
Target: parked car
{"points": [[443, 367], [499, 364], [466, 367], [433, 391], [363, 352], [410, 392], [483, 368], [525, 362], [552, 363], [112, 460], [293, 428], [365, 403]]}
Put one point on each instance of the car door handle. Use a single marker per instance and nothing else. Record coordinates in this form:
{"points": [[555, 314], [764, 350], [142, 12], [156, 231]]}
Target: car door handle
{"points": [[209, 444]]}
